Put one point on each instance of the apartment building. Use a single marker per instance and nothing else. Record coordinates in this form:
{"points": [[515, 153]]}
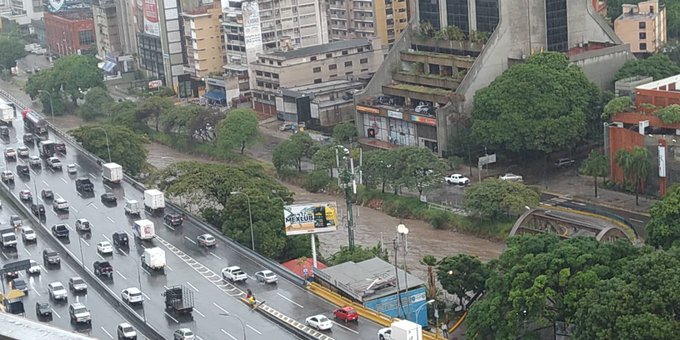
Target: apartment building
{"points": [[203, 40], [69, 32], [349, 59], [643, 26], [318, 105], [23, 11], [350, 19]]}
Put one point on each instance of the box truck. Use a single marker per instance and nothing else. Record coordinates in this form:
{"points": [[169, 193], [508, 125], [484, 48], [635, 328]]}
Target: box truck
{"points": [[144, 229], [113, 173], [6, 114], [132, 207], [154, 200], [153, 258]]}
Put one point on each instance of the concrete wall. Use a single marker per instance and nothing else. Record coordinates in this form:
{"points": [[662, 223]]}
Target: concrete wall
{"points": [[587, 25], [600, 66]]}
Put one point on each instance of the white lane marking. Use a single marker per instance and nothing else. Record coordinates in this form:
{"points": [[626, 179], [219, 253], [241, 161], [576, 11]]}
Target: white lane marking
{"points": [[94, 206], [47, 185], [102, 257], [74, 209], [35, 290], [220, 308], [29, 253], [55, 313], [190, 240], [68, 226], [121, 275], [93, 176], [148, 298], [169, 226], [636, 220], [581, 204], [110, 219], [63, 180], [3, 254], [213, 254], [254, 330], [106, 238], [170, 316], [107, 333], [198, 337], [199, 313], [289, 300], [43, 268], [192, 286], [166, 266], [82, 239], [26, 185], [346, 328], [227, 333]]}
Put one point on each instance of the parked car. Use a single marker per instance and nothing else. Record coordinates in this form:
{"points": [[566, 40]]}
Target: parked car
{"points": [[60, 230], [28, 234], [266, 276], [125, 331], [77, 285], [43, 310], [457, 179], [320, 322], [132, 295], [105, 248], [346, 314], [83, 225], [511, 177], [423, 109], [57, 291], [206, 240], [564, 162]]}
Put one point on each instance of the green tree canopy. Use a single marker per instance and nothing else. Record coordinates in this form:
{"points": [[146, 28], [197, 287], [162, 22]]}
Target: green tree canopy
{"points": [[657, 66], [596, 165], [541, 105], [177, 119], [418, 168], [98, 103], [380, 169], [663, 227], [237, 130], [344, 133], [358, 254], [11, 49], [126, 146], [494, 198], [71, 75], [289, 153], [461, 275], [151, 109]]}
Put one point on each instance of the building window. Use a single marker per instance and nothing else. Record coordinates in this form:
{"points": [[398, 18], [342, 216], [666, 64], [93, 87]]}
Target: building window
{"points": [[275, 75], [348, 64], [332, 67], [312, 58], [363, 61], [643, 35], [360, 49], [349, 73], [364, 70], [642, 24], [317, 81], [557, 25], [317, 69], [345, 52], [86, 37], [259, 73], [333, 75], [260, 83], [329, 55], [278, 62], [643, 46]]}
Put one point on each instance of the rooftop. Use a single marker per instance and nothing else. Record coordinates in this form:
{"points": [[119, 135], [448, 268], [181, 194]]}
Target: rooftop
{"points": [[320, 49], [15, 327], [662, 84], [326, 87]]}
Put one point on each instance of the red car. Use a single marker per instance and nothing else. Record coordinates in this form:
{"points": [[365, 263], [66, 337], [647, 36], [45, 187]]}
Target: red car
{"points": [[346, 314]]}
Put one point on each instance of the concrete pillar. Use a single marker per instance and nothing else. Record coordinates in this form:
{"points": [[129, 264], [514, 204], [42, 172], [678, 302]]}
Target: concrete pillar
{"points": [[444, 22], [472, 15]]}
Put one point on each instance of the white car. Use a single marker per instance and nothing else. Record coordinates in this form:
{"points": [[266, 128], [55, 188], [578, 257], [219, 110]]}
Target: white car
{"points": [[266, 276], [79, 313], [25, 195], [57, 291], [22, 151], [34, 269], [132, 295], [34, 161], [77, 285], [511, 177], [183, 334], [126, 331], [206, 240], [72, 168], [385, 333], [423, 109], [28, 234], [83, 225], [457, 179], [320, 322], [104, 247]]}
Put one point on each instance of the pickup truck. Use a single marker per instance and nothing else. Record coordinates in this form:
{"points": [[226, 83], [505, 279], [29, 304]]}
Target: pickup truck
{"points": [[457, 179], [564, 162], [103, 268], [84, 185], [60, 230], [234, 274]]}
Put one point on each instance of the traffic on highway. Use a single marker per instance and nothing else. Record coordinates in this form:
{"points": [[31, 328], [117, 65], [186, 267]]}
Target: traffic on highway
{"points": [[194, 257]]}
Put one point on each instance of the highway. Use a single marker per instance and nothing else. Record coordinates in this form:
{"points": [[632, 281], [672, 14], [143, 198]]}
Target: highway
{"points": [[188, 264], [105, 318]]}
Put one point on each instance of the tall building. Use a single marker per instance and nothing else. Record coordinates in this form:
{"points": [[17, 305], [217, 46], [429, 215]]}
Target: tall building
{"points": [[23, 11], [203, 40], [350, 19], [69, 32], [106, 20], [643, 26], [468, 15]]}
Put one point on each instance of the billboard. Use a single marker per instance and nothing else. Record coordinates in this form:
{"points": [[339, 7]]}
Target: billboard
{"points": [[310, 218], [151, 25]]}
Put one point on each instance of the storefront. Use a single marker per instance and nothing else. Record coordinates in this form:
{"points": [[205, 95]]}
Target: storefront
{"points": [[398, 128]]}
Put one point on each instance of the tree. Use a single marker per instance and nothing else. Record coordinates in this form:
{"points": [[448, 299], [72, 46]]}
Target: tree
{"points": [[618, 105], [640, 166], [494, 198], [418, 168], [152, 108], [324, 158], [541, 105], [462, 275], [430, 262], [657, 66], [124, 114], [344, 133], [178, 119], [596, 165], [380, 168], [72, 75], [11, 49], [663, 227], [623, 159], [98, 103], [126, 146], [290, 152], [237, 130], [357, 254]]}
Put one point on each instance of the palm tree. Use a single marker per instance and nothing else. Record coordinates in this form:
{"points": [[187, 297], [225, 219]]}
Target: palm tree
{"points": [[596, 165], [430, 261], [622, 159], [639, 165]]}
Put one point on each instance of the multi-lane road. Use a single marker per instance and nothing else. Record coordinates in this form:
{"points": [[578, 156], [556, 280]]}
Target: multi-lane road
{"points": [[190, 265]]}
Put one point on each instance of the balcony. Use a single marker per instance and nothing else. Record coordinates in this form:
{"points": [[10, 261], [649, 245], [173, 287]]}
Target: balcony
{"points": [[421, 93], [438, 59], [427, 80]]}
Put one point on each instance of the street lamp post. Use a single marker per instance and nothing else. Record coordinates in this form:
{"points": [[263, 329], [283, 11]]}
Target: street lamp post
{"points": [[421, 307], [250, 214], [402, 230], [108, 150], [51, 106], [243, 325]]}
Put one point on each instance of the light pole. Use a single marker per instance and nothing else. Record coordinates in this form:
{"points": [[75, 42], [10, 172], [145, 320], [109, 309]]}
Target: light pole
{"points": [[402, 230], [243, 325], [108, 150], [51, 106], [250, 214], [421, 307]]}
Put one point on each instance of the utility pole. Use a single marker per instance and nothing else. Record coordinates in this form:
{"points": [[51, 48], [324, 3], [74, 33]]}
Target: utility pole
{"points": [[347, 180]]}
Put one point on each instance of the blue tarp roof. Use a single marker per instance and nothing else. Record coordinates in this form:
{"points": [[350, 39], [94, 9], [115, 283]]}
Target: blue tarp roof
{"points": [[108, 66], [216, 95]]}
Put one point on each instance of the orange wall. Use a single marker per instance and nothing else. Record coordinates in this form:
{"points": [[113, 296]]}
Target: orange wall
{"points": [[661, 98], [621, 139]]}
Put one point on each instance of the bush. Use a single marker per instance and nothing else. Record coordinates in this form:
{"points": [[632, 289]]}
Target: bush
{"points": [[317, 181], [438, 218]]}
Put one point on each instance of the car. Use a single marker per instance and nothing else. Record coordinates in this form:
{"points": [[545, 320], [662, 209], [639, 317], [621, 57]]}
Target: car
{"points": [[7, 176], [28, 234], [287, 127], [564, 162], [34, 268], [120, 239], [174, 220], [9, 276], [320, 322], [125, 331], [25, 195], [22, 151], [29, 138], [105, 247], [51, 257], [23, 170], [103, 268], [60, 230], [132, 295], [266, 276], [206, 240], [77, 285], [79, 313], [43, 310], [346, 314], [183, 334], [15, 221], [423, 109], [457, 179], [234, 274], [20, 284], [46, 194], [83, 225], [385, 333], [57, 291], [10, 154], [511, 177], [72, 168], [60, 205], [38, 209], [54, 163], [34, 161], [109, 197]]}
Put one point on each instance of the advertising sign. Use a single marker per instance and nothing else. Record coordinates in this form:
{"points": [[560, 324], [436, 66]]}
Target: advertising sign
{"points": [[424, 120], [310, 218], [662, 161], [395, 114], [367, 109], [151, 25], [154, 84]]}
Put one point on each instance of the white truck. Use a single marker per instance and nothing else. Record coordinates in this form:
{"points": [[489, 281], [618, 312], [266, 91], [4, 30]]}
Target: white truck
{"points": [[6, 114], [144, 229], [154, 259], [132, 207], [9, 239], [154, 200], [113, 173], [234, 274], [402, 330]]}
